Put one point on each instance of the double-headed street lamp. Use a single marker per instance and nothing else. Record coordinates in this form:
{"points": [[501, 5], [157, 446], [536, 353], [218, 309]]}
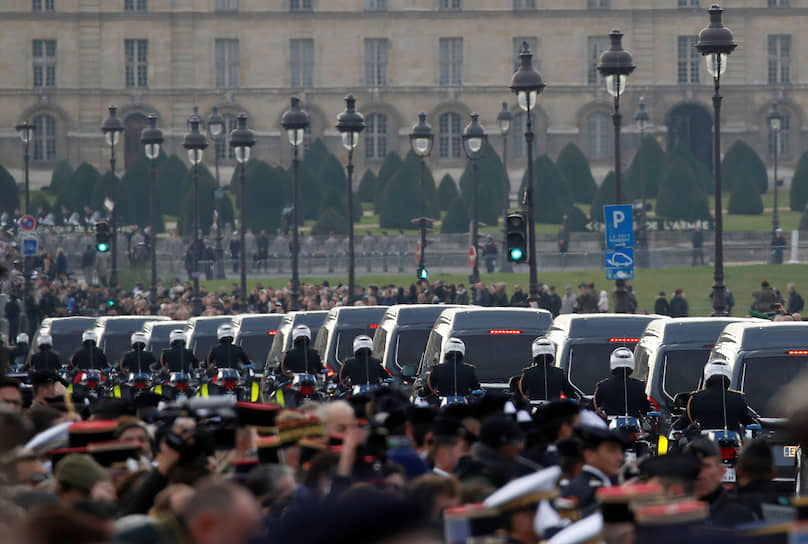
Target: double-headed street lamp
{"points": [[195, 143], [295, 120], [216, 130], [642, 119], [421, 140], [112, 129], [504, 121], [350, 123], [152, 138], [473, 139], [527, 84], [775, 120], [242, 140], [715, 44]]}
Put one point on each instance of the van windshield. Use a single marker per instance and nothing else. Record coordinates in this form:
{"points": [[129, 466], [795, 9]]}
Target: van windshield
{"points": [[345, 338], [682, 370], [410, 346], [498, 357], [589, 363], [764, 376], [257, 346]]}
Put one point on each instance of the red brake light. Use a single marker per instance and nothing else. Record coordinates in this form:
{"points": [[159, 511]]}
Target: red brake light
{"points": [[624, 340], [182, 386], [728, 453], [373, 326], [307, 390], [798, 352], [504, 331], [330, 372], [708, 346], [272, 333], [92, 384], [654, 403]]}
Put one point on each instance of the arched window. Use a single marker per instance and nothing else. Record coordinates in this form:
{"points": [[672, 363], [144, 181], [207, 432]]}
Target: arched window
{"points": [[517, 135], [449, 140], [223, 149], [783, 148], [375, 136], [599, 131], [44, 138]]}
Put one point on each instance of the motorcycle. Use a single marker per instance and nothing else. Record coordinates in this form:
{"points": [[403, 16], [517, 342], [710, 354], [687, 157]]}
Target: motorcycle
{"points": [[637, 432], [302, 387], [129, 389], [179, 386]]}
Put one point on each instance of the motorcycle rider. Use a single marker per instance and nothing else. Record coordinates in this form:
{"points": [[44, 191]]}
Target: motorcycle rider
{"points": [[177, 358], [453, 377], [88, 355], [45, 358], [716, 406], [301, 358], [541, 380], [19, 354], [138, 359], [226, 354], [619, 394], [362, 369]]}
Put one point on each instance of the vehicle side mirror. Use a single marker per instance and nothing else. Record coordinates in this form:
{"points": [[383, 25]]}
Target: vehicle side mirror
{"points": [[409, 371]]}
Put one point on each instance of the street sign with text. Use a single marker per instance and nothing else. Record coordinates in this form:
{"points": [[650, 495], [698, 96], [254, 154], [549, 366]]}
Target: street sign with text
{"points": [[619, 220], [620, 263], [29, 246]]}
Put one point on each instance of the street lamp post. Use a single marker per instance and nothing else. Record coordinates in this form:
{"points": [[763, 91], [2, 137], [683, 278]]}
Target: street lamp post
{"points": [[195, 143], [216, 131], [641, 118], [242, 140], [26, 132], [527, 84], [715, 44], [350, 123], [473, 139], [295, 121], [151, 138], [112, 129], [775, 120], [504, 120], [421, 139]]}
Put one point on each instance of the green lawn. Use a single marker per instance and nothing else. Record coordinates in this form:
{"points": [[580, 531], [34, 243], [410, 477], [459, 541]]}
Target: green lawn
{"points": [[696, 282]]}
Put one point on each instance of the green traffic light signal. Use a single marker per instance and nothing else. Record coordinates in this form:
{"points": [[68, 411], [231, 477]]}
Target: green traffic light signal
{"points": [[102, 247], [516, 254], [110, 303], [423, 274]]}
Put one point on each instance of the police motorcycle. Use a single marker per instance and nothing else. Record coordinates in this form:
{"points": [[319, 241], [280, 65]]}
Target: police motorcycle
{"points": [[292, 391], [181, 385], [132, 385], [424, 395], [362, 347], [227, 380], [91, 384]]}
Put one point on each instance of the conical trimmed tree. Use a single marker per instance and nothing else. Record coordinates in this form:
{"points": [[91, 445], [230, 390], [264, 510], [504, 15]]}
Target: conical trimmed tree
{"points": [[170, 185], [60, 177], [646, 169], [330, 221], [266, 194], [390, 166], [81, 184], [207, 184], [490, 186], [551, 195], [367, 187], [406, 198], [742, 161], [702, 174], [680, 196], [575, 219], [745, 199], [447, 192], [799, 185], [607, 194], [9, 196], [575, 168], [109, 186], [137, 181], [456, 220]]}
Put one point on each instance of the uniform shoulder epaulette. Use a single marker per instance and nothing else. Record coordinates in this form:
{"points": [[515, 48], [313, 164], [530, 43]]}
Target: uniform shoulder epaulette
{"points": [[602, 381], [735, 391], [471, 365]]}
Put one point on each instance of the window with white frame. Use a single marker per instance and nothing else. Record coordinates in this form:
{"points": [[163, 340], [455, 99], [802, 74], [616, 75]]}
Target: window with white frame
{"points": [[223, 149], [595, 45], [376, 5], [375, 136], [688, 59], [136, 53], [778, 3], [524, 4], [779, 46], [451, 61], [44, 63], [44, 138], [134, 5], [300, 5], [450, 4], [782, 139], [301, 57], [43, 5], [599, 131], [376, 62], [449, 137], [225, 5], [227, 63]]}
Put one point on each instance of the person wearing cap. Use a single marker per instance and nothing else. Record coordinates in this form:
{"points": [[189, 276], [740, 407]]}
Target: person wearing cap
{"points": [[542, 380], [176, 357], [725, 511], [764, 298], [301, 358], [76, 475], [88, 355], [494, 458], [518, 501], [755, 471], [19, 354], [362, 369], [43, 383], [45, 358], [620, 394], [453, 377], [137, 359], [554, 422], [603, 457], [675, 472], [716, 406], [225, 354]]}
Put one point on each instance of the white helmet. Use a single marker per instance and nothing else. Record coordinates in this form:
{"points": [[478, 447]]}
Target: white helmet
{"points": [[455, 345], [717, 369], [176, 334], [621, 358], [89, 336], [362, 342], [22, 338], [301, 331], [44, 339], [138, 337], [225, 331], [543, 346]]}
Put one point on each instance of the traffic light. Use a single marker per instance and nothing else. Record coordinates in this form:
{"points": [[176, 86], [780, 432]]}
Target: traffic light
{"points": [[423, 274], [516, 225], [102, 237]]}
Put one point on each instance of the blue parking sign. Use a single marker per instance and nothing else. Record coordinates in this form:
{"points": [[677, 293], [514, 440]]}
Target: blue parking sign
{"points": [[29, 246], [620, 263], [619, 225]]}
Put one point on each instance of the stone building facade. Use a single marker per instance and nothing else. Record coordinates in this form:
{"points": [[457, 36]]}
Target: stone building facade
{"points": [[64, 61]]}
